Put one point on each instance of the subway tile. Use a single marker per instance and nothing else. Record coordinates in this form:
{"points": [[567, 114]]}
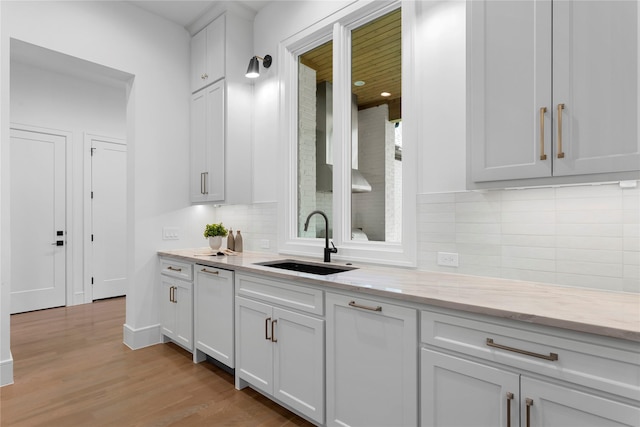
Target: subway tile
{"points": [[436, 198], [631, 285], [529, 217], [491, 197], [483, 239], [529, 252], [478, 217], [595, 230], [478, 228], [529, 229], [590, 268], [548, 265], [589, 242], [478, 249], [590, 255], [529, 275], [437, 227], [534, 240], [589, 203], [436, 208], [467, 260], [590, 281], [529, 205], [436, 217], [613, 216]]}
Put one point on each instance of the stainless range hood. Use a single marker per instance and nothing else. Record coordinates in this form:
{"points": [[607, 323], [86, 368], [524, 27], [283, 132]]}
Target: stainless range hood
{"points": [[324, 137]]}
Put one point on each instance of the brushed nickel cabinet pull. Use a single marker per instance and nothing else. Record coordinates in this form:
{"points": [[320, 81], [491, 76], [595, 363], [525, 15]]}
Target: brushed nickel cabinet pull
{"points": [[364, 307], [174, 269], [543, 156], [273, 333], [509, 399], [552, 356], [175, 300], [206, 180], [529, 403], [170, 293], [266, 329], [204, 270], [560, 152], [202, 183]]}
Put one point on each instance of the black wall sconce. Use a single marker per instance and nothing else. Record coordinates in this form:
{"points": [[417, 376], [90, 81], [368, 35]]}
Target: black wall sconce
{"points": [[254, 67]]}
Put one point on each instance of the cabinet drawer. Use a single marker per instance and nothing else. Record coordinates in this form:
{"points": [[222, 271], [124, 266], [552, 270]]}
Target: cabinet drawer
{"points": [[173, 268], [287, 294], [597, 362]]}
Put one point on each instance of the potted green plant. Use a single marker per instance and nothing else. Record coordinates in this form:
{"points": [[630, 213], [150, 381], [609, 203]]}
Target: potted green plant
{"points": [[215, 232]]}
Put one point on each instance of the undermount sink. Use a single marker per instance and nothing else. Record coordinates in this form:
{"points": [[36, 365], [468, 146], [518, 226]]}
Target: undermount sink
{"points": [[306, 267]]}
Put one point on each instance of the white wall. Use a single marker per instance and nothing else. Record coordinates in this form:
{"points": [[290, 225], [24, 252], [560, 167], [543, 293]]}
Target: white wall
{"points": [[52, 100], [156, 52]]}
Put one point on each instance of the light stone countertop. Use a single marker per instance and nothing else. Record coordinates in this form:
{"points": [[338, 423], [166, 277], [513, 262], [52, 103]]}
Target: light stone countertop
{"points": [[612, 314]]}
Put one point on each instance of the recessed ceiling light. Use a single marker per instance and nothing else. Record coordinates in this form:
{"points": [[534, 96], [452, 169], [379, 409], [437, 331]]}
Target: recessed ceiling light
{"points": [[358, 83], [385, 94]]}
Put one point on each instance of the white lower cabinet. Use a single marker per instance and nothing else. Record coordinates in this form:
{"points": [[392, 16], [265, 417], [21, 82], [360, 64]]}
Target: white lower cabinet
{"points": [[483, 373], [546, 404], [280, 351], [176, 303], [459, 392], [372, 367], [214, 315]]}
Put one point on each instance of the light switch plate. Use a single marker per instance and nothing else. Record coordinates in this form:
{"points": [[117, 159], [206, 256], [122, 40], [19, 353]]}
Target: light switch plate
{"points": [[170, 233], [448, 259]]}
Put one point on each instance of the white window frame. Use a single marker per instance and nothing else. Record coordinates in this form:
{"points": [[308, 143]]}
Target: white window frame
{"points": [[337, 27]]}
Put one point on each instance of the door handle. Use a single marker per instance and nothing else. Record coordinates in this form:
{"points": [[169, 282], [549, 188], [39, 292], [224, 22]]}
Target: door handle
{"points": [[266, 329], [543, 156], [509, 399], [560, 152], [273, 332]]}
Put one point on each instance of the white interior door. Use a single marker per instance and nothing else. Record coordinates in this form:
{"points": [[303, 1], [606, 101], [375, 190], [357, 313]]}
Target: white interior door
{"points": [[108, 217], [38, 212]]}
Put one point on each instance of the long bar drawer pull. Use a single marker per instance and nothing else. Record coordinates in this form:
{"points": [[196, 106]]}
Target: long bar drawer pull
{"points": [[204, 270], [529, 403], [551, 356], [364, 307], [174, 269]]}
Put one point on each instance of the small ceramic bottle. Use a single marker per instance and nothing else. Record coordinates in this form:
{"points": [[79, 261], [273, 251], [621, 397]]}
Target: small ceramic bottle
{"points": [[238, 247], [230, 241]]}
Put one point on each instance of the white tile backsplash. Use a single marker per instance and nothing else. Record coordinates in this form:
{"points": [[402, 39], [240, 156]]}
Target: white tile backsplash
{"points": [[582, 235]]}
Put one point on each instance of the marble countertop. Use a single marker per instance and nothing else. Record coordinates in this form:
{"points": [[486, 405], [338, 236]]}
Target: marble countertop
{"points": [[612, 314]]}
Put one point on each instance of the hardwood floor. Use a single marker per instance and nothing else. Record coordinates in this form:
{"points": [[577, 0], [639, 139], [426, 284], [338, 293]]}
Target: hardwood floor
{"points": [[72, 369]]}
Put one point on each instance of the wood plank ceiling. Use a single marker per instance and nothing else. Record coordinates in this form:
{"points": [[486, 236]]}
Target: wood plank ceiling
{"points": [[376, 60]]}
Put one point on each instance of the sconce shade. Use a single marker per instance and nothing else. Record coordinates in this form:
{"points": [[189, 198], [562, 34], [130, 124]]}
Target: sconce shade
{"points": [[254, 68]]}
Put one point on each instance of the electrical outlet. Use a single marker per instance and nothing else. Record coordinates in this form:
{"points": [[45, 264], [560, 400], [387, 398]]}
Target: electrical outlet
{"points": [[264, 243], [170, 233], [448, 259]]}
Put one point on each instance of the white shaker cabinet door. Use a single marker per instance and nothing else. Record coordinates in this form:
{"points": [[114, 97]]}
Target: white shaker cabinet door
{"points": [[596, 86], [459, 392], [371, 363], [298, 371], [545, 404], [254, 348], [214, 314], [509, 89]]}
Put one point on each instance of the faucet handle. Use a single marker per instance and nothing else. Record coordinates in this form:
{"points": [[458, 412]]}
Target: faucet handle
{"points": [[333, 250]]}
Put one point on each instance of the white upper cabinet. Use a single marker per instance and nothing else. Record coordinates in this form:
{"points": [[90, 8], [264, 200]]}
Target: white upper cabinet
{"points": [[596, 79], [221, 118], [553, 89], [208, 55]]}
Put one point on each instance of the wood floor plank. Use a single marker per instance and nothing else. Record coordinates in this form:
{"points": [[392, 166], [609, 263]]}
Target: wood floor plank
{"points": [[72, 369]]}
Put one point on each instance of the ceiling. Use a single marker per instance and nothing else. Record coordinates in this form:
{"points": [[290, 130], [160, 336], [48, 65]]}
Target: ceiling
{"points": [[184, 13], [377, 61]]}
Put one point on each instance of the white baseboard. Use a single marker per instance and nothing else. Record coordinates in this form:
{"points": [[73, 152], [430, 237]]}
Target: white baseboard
{"points": [[6, 372], [142, 337]]}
